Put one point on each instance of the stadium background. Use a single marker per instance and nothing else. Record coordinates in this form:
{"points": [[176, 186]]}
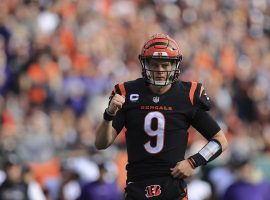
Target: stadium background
{"points": [[59, 61]]}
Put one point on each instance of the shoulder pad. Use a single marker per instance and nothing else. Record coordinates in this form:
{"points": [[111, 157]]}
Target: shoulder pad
{"points": [[198, 96]]}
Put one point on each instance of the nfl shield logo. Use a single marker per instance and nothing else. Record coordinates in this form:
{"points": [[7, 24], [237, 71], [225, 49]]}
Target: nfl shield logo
{"points": [[156, 99]]}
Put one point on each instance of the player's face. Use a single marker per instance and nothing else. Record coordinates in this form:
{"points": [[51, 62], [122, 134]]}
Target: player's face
{"points": [[160, 69]]}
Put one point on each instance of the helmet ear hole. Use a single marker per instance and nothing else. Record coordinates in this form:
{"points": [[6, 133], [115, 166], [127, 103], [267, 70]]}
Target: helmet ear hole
{"points": [[176, 74], [143, 74], [181, 58]]}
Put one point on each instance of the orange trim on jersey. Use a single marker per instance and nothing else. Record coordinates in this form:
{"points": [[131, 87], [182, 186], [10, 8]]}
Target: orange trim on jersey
{"points": [[192, 91], [124, 130], [191, 164], [202, 89], [122, 89]]}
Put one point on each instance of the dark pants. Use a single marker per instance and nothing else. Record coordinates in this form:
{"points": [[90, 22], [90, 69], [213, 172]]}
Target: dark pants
{"points": [[161, 188]]}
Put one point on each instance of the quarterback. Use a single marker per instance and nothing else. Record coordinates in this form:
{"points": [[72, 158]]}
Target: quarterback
{"points": [[157, 111]]}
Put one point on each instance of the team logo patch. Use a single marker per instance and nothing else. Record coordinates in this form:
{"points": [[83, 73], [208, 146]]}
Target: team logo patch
{"points": [[156, 99], [134, 97], [152, 191]]}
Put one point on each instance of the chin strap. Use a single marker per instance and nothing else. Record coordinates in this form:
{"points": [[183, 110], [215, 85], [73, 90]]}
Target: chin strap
{"points": [[208, 153]]}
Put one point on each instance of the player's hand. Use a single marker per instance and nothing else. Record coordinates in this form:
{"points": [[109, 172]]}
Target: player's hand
{"points": [[116, 104], [182, 170]]}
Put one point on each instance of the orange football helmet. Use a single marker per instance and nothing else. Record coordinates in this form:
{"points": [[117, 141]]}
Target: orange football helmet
{"points": [[160, 46]]}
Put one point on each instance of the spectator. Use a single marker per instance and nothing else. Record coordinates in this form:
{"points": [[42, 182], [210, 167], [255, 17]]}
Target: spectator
{"points": [[18, 184], [249, 184], [101, 189]]}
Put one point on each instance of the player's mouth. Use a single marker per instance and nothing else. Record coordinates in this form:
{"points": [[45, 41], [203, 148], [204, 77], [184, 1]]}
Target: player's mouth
{"points": [[160, 78]]}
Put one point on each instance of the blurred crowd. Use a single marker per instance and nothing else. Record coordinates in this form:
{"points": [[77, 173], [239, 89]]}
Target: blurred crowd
{"points": [[59, 60]]}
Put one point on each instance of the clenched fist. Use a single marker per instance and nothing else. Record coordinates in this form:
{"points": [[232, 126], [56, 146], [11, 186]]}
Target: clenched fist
{"points": [[182, 170], [116, 104]]}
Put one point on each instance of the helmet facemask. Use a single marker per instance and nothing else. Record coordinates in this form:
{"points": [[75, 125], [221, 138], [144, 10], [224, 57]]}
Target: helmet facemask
{"points": [[163, 48], [149, 74]]}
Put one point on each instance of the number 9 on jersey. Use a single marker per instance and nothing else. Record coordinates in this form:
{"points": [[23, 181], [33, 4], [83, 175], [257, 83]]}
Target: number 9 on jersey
{"points": [[158, 132]]}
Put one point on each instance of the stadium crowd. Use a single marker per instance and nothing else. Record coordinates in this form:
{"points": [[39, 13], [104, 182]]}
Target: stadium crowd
{"points": [[59, 61]]}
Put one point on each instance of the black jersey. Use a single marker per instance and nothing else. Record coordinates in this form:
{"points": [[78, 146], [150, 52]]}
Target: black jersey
{"points": [[156, 125]]}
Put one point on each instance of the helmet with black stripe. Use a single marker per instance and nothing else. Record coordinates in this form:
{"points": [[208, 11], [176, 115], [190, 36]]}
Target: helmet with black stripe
{"points": [[161, 47]]}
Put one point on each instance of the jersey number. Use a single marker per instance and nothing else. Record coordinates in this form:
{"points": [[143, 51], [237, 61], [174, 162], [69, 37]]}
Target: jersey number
{"points": [[158, 132]]}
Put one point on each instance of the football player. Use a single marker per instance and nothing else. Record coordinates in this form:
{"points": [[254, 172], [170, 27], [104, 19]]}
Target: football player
{"points": [[157, 111]]}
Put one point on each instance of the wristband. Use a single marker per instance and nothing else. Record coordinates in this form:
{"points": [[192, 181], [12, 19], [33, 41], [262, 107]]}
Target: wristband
{"points": [[197, 160], [107, 116], [191, 163], [208, 153]]}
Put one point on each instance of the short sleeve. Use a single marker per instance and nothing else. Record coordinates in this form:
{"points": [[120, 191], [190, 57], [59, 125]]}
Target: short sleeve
{"points": [[205, 124], [201, 120]]}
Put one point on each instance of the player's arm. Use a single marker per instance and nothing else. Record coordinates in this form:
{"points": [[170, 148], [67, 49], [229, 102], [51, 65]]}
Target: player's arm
{"points": [[217, 142], [106, 133], [208, 127], [220, 137]]}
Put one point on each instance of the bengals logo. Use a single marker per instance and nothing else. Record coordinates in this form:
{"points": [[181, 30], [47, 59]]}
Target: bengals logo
{"points": [[152, 191]]}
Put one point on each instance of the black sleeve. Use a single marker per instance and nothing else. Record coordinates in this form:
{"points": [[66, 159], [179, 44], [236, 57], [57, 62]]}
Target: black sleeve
{"points": [[205, 124]]}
